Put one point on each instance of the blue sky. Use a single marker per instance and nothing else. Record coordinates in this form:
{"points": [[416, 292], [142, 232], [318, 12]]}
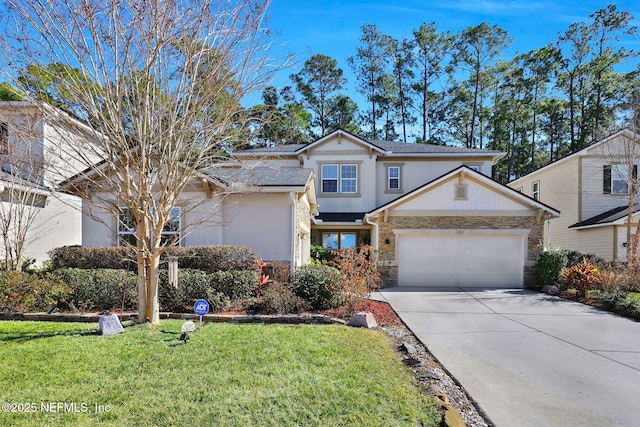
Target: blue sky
{"points": [[332, 27]]}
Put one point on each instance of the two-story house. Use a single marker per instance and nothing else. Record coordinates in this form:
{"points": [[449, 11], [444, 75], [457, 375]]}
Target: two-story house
{"points": [[29, 173], [591, 189], [432, 212]]}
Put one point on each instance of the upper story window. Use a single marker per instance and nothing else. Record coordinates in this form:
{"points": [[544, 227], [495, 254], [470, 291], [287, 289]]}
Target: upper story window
{"points": [[475, 167], [127, 228], [535, 190], [616, 178], [393, 178], [340, 178], [4, 139]]}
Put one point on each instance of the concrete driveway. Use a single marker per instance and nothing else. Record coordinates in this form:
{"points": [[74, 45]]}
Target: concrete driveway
{"points": [[527, 358]]}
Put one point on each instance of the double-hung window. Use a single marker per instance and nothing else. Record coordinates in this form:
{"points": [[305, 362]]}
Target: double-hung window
{"points": [[340, 178], [393, 178], [535, 190], [127, 228]]}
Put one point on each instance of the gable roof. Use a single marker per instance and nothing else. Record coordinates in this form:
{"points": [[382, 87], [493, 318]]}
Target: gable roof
{"points": [[609, 217], [581, 152], [497, 186], [387, 148]]}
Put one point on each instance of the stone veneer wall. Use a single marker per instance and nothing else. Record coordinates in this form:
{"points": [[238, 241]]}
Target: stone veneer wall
{"points": [[387, 263]]}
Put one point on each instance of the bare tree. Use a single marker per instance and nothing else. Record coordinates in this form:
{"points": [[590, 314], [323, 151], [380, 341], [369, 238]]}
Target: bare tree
{"points": [[157, 86]]}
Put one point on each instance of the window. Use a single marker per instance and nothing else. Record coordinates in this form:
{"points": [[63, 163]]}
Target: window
{"points": [[335, 240], [127, 228], [393, 178], [4, 139], [616, 178], [474, 167], [329, 178], [535, 191], [340, 178]]}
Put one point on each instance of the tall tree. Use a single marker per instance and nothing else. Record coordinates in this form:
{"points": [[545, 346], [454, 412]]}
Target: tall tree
{"points": [[317, 80], [342, 113], [431, 49], [370, 67], [475, 49], [275, 122], [166, 80], [402, 60]]}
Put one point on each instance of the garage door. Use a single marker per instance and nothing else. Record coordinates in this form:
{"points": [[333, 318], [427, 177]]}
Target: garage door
{"points": [[486, 260]]}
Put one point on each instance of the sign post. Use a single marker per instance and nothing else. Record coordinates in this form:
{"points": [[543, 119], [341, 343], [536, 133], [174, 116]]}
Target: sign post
{"points": [[201, 307]]}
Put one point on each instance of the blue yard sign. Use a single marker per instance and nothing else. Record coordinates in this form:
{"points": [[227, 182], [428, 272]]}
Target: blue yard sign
{"points": [[201, 307]]}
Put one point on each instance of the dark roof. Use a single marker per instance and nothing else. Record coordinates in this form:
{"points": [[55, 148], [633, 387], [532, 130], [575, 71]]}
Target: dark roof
{"points": [[607, 217], [263, 177], [340, 216], [407, 147], [388, 146]]}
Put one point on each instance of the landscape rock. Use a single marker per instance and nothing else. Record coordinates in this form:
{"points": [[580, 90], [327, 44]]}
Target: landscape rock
{"points": [[363, 320], [408, 348], [110, 325], [551, 290]]}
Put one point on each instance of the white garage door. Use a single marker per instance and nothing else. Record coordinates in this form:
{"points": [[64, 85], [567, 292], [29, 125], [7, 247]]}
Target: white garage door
{"points": [[486, 260]]}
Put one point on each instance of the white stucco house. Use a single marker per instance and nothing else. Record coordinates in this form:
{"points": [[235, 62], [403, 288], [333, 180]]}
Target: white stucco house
{"points": [[591, 188], [432, 212], [30, 169]]}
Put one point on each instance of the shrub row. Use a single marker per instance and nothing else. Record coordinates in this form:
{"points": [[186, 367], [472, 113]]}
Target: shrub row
{"points": [[24, 292], [205, 258]]}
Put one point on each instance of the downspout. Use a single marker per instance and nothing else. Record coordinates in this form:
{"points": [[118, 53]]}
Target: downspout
{"points": [[292, 196], [549, 234], [374, 237]]}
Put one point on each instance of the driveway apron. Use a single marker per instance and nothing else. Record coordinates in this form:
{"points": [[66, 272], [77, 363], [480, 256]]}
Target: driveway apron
{"points": [[527, 358]]}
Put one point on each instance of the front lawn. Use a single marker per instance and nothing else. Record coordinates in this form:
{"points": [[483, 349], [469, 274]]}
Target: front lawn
{"points": [[232, 375]]}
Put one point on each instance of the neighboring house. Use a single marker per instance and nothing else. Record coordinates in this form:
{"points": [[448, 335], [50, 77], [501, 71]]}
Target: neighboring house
{"points": [[432, 212], [591, 188], [30, 172]]}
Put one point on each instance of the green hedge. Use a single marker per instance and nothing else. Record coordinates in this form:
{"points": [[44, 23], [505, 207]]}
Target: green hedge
{"points": [[99, 289], [205, 258]]}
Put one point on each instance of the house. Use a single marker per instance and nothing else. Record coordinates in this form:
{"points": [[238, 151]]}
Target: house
{"points": [[432, 212], [29, 172], [591, 188]]}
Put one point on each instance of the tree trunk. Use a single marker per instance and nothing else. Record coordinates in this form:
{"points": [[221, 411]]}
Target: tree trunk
{"points": [[153, 307]]}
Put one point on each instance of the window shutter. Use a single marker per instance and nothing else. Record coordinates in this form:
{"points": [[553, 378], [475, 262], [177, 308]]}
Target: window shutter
{"points": [[606, 179]]}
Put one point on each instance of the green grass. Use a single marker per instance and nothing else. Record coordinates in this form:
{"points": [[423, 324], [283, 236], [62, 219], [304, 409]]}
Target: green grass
{"points": [[231, 375]]}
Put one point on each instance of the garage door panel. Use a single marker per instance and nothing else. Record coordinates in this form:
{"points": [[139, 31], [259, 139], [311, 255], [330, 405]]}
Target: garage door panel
{"points": [[460, 260]]}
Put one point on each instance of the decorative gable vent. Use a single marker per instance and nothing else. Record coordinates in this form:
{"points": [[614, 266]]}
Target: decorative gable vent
{"points": [[461, 192]]}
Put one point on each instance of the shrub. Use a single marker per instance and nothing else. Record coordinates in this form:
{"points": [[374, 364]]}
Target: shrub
{"points": [[319, 285], [215, 258], [236, 285], [24, 292], [358, 273], [621, 302], [117, 258], [192, 285], [581, 277], [549, 267], [279, 299], [205, 258], [320, 255], [101, 289]]}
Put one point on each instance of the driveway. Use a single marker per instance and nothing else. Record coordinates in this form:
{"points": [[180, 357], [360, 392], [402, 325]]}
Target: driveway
{"points": [[527, 358]]}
